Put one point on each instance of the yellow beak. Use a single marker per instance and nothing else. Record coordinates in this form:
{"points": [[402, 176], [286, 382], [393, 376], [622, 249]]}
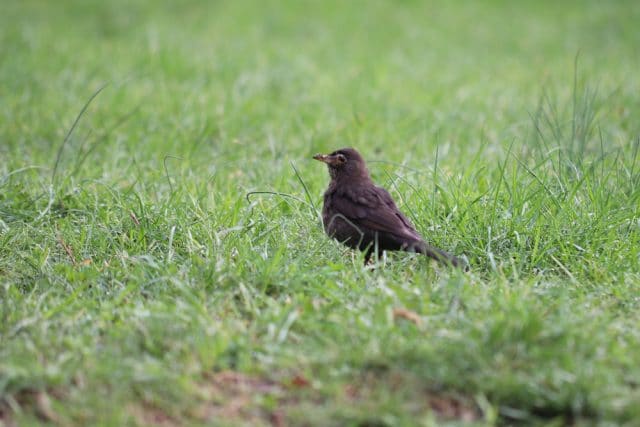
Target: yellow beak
{"points": [[325, 158]]}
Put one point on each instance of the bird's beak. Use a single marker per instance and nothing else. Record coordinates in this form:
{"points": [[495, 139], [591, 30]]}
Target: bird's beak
{"points": [[325, 158], [322, 158]]}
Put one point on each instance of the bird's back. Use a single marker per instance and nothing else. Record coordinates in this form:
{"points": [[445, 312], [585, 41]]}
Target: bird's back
{"points": [[362, 214]]}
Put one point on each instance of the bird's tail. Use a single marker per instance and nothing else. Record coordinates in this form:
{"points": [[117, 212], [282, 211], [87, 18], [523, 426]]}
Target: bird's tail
{"points": [[442, 256]]}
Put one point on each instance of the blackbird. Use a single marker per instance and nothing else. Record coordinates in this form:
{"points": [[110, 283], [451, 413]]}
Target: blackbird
{"points": [[362, 215]]}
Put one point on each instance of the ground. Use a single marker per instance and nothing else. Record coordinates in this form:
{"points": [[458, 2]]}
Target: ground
{"points": [[162, 259]]}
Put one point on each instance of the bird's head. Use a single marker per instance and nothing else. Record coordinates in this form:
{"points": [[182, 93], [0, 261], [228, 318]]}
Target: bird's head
{"points": [[344, 163]]}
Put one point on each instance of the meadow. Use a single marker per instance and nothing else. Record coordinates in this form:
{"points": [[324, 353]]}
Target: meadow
{"points": [[162, 258]]}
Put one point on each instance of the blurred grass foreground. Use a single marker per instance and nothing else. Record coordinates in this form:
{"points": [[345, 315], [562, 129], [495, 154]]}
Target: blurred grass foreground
{"points": [[162, 261]]}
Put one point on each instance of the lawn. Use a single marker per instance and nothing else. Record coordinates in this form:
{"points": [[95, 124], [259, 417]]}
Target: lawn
{"points": [[162, 258]]}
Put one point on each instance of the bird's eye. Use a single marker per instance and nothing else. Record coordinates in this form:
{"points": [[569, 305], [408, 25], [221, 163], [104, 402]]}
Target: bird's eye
{"points": [[341, 158]]}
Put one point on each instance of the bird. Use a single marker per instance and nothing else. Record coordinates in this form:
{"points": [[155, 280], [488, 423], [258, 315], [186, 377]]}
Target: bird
{"points": [[363, 216]]}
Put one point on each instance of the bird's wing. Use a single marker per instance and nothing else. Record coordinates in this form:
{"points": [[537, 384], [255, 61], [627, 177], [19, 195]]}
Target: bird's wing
{"points": [[372, 207]]}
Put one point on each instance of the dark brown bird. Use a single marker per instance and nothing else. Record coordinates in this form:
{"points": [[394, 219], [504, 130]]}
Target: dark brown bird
{"points": [[363, 216]]}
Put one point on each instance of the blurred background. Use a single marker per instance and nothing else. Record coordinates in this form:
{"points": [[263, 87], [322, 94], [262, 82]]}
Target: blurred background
{"points": [[210, 80]]}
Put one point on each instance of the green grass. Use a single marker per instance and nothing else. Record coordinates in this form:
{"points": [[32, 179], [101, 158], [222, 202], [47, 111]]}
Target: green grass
{"points": [[162, 261]]}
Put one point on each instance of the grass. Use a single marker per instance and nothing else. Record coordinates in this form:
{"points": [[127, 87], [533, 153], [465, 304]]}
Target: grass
{"points": [[162, 260]]}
